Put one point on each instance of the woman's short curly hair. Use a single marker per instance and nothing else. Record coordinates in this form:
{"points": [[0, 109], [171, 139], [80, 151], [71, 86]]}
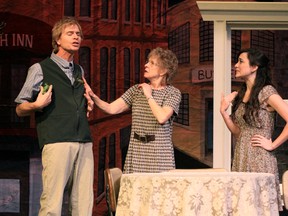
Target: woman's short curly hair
{"points": [[58, 28], [167, 59]]}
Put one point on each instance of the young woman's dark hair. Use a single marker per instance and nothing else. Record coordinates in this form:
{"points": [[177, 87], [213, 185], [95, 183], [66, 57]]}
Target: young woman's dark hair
{"points": [[263, 78]]}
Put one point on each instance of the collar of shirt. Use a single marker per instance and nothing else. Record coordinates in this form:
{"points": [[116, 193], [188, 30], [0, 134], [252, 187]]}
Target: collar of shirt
{"points": [[62, 63], [67, 67]]}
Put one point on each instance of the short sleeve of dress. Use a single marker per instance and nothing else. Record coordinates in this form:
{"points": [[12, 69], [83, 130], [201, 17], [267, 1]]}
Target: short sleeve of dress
{"points": [[266, 92], [129, 95], [173, 99]]}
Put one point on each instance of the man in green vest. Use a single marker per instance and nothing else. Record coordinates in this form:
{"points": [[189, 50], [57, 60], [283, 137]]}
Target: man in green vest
{"points": [[62, 124]]}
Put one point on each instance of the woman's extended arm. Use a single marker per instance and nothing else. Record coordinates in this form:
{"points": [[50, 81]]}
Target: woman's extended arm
{"points": [[116, 107]]}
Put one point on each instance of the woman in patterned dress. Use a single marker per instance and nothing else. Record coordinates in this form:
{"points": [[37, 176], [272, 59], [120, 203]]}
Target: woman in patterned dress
{"points": [[253, 114], [154, 106]]}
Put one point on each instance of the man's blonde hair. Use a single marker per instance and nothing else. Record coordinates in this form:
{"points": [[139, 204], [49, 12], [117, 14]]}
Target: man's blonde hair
{"points": [[58, 28]]}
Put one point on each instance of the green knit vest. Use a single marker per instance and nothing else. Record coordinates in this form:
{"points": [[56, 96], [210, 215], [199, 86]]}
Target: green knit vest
{"points": [[64, 119]]}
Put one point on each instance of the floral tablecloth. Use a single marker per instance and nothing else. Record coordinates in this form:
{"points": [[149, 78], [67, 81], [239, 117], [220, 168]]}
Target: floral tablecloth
{"points": [[199, 194]]}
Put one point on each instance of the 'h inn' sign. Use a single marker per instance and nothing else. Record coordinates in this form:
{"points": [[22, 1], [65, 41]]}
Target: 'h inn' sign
{"points": [[16, 39], [24, 33]]}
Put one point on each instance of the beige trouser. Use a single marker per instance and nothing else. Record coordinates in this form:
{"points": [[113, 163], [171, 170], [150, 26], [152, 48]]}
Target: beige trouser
{"points": [[70, 165]]}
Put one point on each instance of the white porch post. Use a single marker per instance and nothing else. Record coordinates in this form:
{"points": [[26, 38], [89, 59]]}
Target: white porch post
{"points": [[222, 84]]}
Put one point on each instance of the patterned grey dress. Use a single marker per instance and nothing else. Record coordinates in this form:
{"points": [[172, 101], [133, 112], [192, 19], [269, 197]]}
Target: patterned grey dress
{"points": [[247, 158], [157, 155]]}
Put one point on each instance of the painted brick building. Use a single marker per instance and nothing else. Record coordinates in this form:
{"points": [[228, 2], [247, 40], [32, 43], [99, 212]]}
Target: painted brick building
{"points": [[118, 36]]}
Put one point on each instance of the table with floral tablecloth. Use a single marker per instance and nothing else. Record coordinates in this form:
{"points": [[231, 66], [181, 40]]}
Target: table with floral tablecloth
{"points": [[197, 193]]}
